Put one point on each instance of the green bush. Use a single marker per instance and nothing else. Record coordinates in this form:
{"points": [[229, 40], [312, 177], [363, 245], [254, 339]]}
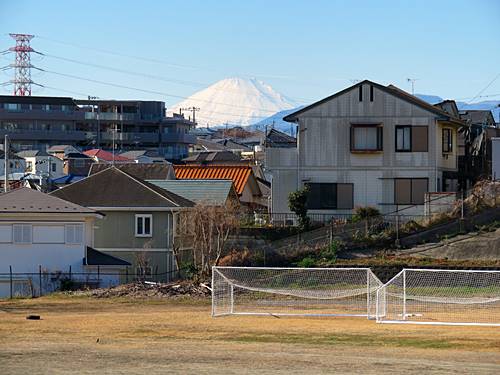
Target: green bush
{"points": [[307, 262], [297, 203], [67, 285], [363, 213]]}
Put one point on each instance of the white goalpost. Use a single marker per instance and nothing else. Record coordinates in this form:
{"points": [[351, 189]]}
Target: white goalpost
{"points": [[449, 297], [294, 291]]}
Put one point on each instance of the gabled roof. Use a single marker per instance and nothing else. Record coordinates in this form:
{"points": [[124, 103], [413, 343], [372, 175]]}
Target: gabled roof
{"points": [[390, 89], [144, 171], [97, 258], [239, 174], [478, 117], [277, 138], [450, 107], [62, 148], [31, 153], [200, 191], [213, 156], [101, 154], [25, 200], [12, 156], [210, 145], [113, 187]]}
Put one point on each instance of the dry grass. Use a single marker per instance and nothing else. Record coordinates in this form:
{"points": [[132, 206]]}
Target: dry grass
{"points": [[84, 335]]}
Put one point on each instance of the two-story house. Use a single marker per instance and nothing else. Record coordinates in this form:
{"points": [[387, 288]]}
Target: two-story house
{"points": [[42, 163], [367, 145], [139, 222]]}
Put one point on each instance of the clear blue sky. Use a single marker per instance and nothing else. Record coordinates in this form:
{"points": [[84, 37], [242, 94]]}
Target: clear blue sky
{"points": [[304, 49]]}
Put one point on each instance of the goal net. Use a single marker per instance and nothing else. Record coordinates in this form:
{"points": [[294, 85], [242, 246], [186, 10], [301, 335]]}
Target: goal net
{"points": [[453, 297], [294, 291]]}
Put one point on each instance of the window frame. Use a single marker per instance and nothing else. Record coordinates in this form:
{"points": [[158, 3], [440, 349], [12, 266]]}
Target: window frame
{"points": [[411, 203], [22, 225], [336, 188], [449, 144], [402, 127], [73, 226], [380, 138], [143, 217]]}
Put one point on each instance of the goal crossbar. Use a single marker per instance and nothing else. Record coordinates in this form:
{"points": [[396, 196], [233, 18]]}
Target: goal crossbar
{"points": [[440, 297], [287, 291]]}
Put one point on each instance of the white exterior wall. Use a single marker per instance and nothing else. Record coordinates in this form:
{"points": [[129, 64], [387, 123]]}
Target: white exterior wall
{"points": [[19, 166], [323, 153], [47, 249]]}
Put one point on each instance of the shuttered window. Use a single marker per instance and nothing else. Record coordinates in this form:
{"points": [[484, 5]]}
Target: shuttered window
{"points": [[330, 196], [410, 190], [74, 234], [411, 138], [22, 233], [447, 140]]}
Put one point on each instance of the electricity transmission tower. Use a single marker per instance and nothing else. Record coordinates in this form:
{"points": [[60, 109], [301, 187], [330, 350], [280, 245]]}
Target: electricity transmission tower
{"points": [[22, 66]]}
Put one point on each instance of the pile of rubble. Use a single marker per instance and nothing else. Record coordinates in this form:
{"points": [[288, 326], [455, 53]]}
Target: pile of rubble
{"points": [[484, 194], [154, 290]]}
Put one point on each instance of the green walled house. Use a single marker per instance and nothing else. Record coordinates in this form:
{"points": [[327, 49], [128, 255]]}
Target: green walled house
{"points": [[139, 223]]}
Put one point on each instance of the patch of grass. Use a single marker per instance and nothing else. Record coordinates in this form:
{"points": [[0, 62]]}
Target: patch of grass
{"points": [[349, 340]]}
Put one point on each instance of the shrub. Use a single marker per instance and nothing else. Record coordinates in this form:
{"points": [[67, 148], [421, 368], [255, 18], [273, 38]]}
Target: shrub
{"points": [[307, 262], [67, 285], [363, 213], [297, 203]]}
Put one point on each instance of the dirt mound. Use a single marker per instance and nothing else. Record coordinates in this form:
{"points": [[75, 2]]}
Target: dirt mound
{"points": [[154, 290]]}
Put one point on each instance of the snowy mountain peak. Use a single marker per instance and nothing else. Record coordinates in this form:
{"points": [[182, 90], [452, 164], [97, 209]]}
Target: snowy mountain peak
{"points": [[236, 101]]}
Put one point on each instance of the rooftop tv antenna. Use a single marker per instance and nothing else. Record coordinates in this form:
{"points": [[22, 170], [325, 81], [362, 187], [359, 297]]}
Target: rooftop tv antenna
{"points": [[192, 109], [412, 81]]}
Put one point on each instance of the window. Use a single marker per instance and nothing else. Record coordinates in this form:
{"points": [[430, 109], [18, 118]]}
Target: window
{"points": [[410, 190], [411, 138], [45, 107], [371, 93], [53, 167], [403, 138], [330, 196], [74, 234], [143, 225], [366, 137], [12, 106], [360, 93], [447, 140], [22, 233], [29, 166]]}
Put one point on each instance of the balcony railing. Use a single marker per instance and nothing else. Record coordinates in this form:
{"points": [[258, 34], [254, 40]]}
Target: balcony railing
{"points": [[132, 137], [178, 138], [42, 135], [108, 116]]}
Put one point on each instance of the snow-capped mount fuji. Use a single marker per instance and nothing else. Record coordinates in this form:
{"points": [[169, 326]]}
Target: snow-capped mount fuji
{"points": [[235, 101]]}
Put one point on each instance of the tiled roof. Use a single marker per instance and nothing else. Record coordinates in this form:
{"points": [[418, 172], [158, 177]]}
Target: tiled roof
{"points": [[238, 173], [199, 191], [144, 171], [104, 155], [32, 201], [113, 187], [31, 153]]}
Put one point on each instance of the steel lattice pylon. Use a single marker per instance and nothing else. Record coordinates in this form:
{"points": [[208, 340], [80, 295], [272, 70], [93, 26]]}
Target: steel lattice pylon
{"points": [[22, 78]]}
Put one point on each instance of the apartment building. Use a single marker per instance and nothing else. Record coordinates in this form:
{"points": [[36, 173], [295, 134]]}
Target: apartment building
{"points": [[36, 122], [367, 145]]}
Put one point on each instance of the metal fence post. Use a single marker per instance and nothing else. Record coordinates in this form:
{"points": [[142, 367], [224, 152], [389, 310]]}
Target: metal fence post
{"points": [[98, 276], [11, 290], [69, 273], [40, 279], [126, 274]]}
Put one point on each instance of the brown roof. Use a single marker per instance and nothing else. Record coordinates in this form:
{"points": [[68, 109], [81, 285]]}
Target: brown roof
{"points": [[213, 156], [32, 201], [144, 171], [390, 89], [238, 173], [113, 187]]}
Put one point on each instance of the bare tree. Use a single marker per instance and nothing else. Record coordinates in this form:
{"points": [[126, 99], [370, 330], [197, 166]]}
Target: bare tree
{"points": [[209, 228]]}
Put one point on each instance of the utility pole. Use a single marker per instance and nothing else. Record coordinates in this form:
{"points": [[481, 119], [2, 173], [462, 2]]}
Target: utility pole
{"points": [[412, 81], [193, 110], [6, 157]]}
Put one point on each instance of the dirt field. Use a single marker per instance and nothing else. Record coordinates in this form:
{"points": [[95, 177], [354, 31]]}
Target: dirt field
{"points": [[106, 336]]}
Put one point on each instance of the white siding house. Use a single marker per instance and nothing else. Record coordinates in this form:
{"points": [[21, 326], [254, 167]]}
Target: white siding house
{"points": [[41, 237], [368, 145]]}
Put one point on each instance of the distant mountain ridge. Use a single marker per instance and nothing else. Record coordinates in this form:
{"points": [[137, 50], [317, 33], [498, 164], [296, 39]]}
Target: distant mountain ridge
{"points": [[277, 122]]}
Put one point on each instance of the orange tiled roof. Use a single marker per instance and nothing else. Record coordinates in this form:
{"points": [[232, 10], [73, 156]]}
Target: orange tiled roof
{"points": [[238, 173]]}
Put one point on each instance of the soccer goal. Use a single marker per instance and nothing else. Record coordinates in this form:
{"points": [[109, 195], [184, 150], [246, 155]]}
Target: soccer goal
{"points": [[294, 291], [450, 297]]}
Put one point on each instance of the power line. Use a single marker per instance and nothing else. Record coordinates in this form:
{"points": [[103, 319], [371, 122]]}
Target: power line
{"points": [[485, 88]]}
